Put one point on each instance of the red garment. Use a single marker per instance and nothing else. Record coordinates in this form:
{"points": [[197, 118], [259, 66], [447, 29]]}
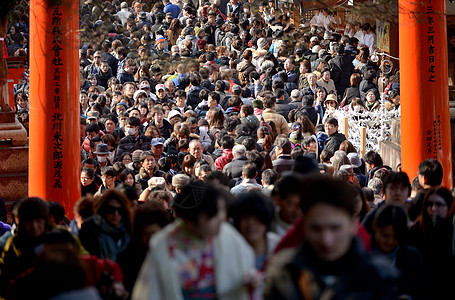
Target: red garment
{"points": [[224, 159], [294, 237], [97, 266], [86, 143]]}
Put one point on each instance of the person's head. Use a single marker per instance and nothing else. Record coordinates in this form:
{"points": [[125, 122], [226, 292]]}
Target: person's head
{"points": [[179, 181], [239, 150], [312, 78], [252, 214], [33, 215], [108, 176], [213, 99], [115, 208], [196, 149], [269, 177], [149, 219], [390, 227], [331, 126], [132, 126], [372, 159], [201, 208], [227, 142], [376, 185], [188, 164], [330, 219], [370, 96], [249, 171], [286, 195], [430, 173], [355, 80], [87, 177], [127, 177], [436, 205], [148, 161], [397, 188], [282, 146]]}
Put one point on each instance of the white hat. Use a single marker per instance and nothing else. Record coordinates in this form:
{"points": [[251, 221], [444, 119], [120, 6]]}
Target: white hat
{"points": [[316, 49], [137, 93], [173, 113]]}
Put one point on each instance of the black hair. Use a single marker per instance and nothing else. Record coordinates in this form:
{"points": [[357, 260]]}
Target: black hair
{"points": [[432, 170], [395, 216], [227, 142], [289, 185], [324, 189], [331, 120], [373, 157], [195, 199], [255, 157], [249, 143], [92, 128], [249, 170], [254, 204], [397, 178], [230, 124], [133, 121]]}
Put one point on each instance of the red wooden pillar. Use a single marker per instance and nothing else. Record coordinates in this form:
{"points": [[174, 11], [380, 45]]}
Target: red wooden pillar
{"points": [[54, 158], [425, 114]]}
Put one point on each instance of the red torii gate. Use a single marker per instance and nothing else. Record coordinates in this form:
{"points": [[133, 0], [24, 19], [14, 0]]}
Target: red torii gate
{"points": [[54, 163]]}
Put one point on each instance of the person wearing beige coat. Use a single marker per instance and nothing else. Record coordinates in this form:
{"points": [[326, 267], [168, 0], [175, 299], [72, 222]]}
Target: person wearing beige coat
{"points": [[269, 114]]}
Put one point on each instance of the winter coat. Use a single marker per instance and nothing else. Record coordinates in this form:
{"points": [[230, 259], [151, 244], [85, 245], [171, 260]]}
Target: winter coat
{"points": [[143, 177], [192, 98], [130, 144], [235, 167], [283, 163], [365, 86], [334, 141], [104, 78], [103, 240], [281, 124], [233, 259], [224, 159], [341, 70], [283, 109], [298, 274], [123, 76]]}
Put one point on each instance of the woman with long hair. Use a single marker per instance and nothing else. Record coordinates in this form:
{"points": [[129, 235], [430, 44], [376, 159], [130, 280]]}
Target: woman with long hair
{"points": [[174, 31], [215, 117], [107, 232], [432, 235]]}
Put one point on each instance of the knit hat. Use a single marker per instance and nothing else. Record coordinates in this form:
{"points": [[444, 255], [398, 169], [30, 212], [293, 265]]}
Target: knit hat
{"points": [[157, 183], [201, 43], [138, 93], [197, 30], [262, 43], [159, 39], [316, 49], [136, 155], [354, 158], [180, 180]]}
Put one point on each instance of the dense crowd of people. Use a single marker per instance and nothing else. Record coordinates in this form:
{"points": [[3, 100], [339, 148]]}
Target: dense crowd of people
{"points": [[212, 166]]}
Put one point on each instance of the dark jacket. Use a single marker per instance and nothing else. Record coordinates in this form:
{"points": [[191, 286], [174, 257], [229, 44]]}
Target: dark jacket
{"points": [[334, 141], [130, 144], [350, 93], [113, 62], [192, 98], [341, 69], [365, 86], [311, 114], [235, 167], [308, 92], [101, 239], [123, 77], [283, 163], [143, 177], [283, 108], [166, 130], [357, 275]]}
